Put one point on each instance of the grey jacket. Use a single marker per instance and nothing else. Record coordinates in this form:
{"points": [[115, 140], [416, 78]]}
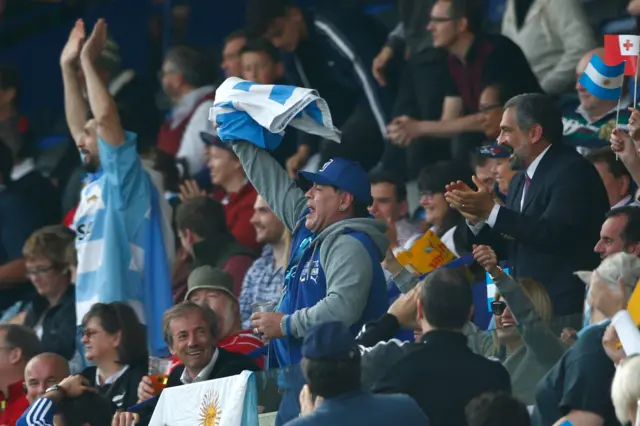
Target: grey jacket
{"points": [[540, 351], [346, 263]]}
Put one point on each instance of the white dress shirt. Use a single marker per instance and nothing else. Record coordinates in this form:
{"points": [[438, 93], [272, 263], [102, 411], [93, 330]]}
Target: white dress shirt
{"points": [[203, 374], [493, 216]]}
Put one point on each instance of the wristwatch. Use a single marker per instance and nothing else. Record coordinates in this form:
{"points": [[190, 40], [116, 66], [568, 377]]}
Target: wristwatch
{"points": [[55, 388]]}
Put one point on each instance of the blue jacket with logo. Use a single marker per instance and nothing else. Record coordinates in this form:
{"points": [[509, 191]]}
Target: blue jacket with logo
{"points": [[333, 276]]}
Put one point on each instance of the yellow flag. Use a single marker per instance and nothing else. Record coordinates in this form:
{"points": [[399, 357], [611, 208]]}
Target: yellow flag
{"points": [[634, 305], [426, 254]]}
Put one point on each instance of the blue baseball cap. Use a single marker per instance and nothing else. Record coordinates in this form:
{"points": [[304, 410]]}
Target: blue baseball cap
{"points": [[344, 174], [329, 341], [494, 151]]}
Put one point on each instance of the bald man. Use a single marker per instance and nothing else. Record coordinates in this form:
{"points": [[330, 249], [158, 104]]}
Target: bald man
{"points": [[588, 120], [42, 372]]}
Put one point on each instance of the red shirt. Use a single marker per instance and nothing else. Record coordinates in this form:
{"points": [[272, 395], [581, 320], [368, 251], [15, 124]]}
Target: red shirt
{"points": [[15, 405], [239, 209], [242, 343]]}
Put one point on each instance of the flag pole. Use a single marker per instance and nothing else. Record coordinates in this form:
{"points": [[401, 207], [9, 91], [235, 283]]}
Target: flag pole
{"points": [[635, 84], [618, 120]]}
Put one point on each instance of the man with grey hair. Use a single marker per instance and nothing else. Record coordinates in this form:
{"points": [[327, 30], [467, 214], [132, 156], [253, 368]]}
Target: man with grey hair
{"points": [[554, 209], [18, 344], [186, 80], [577, 389]]}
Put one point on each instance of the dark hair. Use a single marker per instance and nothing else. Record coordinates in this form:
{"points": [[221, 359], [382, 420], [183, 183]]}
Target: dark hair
{"points": [[535, 108], [472, 10], [180, 310], [359, 208], [119, 317], [23, 338], [203, 216], [435, 176], [477, 160], [386, 176], [505, 90], [332, 378], [260, 14], [6, 163], [261, 45], [234, 35], [10, 79], [631, 232], [446, 298], [165, 164], [496, 409], [89, 408], [605, 155], [191, 63]]}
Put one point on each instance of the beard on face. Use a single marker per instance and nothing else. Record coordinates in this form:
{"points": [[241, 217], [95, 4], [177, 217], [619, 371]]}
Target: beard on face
{"points": [[516, 162], [89, 164]]}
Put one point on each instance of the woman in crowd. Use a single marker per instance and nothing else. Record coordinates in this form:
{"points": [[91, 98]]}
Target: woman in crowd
{"points": [[443, 219], [116, 343], [52, 313], [522, 339]]}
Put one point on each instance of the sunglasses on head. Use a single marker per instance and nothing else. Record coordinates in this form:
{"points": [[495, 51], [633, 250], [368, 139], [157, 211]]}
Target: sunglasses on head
{"points": [[498, 307]]}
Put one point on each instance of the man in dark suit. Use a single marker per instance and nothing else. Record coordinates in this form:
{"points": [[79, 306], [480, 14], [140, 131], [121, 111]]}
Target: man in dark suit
{"points": [[554, 210], [190, 331], [442, 373]]}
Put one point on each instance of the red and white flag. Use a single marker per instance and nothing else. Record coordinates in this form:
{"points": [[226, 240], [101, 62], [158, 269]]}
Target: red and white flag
{"points": [[618, 48]]}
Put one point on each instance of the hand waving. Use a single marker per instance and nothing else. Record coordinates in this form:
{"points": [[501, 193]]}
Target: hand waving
{"points": [[95, 44], [487, 258], [73, 47]]}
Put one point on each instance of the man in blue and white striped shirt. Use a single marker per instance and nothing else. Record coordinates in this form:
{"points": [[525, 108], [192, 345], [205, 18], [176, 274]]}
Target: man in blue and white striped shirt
{"points": [[119, 219], [70, 403]]}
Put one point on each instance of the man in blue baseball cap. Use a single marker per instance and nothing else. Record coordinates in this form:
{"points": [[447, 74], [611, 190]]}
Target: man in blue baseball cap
{"points": [[334, 271], [331, 367], [501, 169]]}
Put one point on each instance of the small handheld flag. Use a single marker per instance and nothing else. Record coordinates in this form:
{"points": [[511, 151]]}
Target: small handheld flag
{"points": [[603, 81], [618, 48]]}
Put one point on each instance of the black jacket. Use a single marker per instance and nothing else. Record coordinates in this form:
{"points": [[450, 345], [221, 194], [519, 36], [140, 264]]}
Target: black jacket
{"points": [[556, 231], [228, 364], [336, 58], [442, 374], [58, 325], [123, 393]]}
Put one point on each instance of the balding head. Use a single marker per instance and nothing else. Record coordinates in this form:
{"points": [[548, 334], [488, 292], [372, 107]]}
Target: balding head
{"points": [[42, 372], [594, 107], [584, 61]]}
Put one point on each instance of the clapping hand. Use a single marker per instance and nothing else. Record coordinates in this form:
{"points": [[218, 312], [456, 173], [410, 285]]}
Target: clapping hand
{"points": [[634, 124], [473, 205], [72, 49], [96, 42]]}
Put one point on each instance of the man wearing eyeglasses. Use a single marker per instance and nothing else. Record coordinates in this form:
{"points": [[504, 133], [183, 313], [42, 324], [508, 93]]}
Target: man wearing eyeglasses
{"points": [[18, 345], [474, 61]]}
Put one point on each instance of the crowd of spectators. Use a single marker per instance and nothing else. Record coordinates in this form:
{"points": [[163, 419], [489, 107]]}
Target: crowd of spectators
{"points": [[140, 234]]}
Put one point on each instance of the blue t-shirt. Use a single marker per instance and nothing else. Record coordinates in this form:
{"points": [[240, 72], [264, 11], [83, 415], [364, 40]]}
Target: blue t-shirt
{"points": [[111, 226]]}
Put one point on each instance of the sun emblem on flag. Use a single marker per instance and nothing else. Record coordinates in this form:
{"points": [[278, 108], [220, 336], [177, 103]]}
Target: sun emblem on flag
{"points": [[210, 410]]}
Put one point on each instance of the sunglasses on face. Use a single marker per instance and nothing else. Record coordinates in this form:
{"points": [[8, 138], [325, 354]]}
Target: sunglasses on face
{"points": [[498, 307]]}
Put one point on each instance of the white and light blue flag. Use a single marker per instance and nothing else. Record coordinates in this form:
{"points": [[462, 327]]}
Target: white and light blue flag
{"points": [[230, 401], [603, 81], [259, 113]]}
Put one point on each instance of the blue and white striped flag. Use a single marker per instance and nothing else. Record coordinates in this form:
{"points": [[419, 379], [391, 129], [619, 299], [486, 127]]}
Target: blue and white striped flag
{"points": [[260, 113], [603, 81]]}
